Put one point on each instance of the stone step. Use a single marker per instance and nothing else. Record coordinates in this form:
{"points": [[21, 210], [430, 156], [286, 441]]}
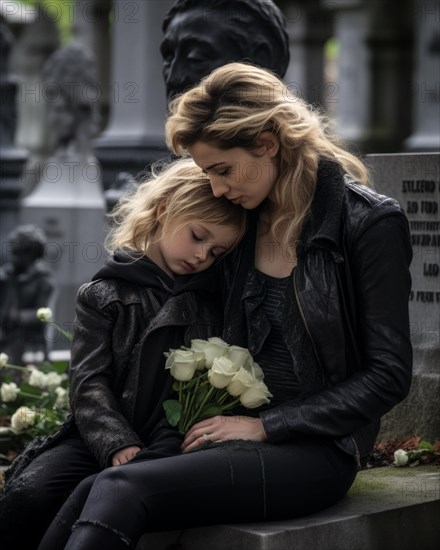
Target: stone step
{"points": [[387, 508]]}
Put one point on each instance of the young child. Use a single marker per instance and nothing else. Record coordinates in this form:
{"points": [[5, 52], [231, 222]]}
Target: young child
{"points": [[154, 293]]}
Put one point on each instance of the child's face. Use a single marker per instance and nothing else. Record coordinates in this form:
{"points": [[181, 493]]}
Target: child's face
{"points": [[192, 248]]}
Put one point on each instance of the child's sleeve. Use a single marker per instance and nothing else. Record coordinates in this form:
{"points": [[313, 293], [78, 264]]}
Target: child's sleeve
{"points": [[94, 406]]}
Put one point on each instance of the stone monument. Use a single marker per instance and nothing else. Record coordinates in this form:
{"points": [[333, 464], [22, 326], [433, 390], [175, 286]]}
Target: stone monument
{"points": [[134, 136], [414, 180], [68, 202], [12, 158], [37, 39]]}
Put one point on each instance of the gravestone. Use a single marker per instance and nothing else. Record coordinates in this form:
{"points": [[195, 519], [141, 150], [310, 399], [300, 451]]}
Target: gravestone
{"points": [[414, 180]]}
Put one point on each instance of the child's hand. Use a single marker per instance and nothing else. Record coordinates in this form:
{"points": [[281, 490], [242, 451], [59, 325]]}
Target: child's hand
{"points": [[124, 455]]}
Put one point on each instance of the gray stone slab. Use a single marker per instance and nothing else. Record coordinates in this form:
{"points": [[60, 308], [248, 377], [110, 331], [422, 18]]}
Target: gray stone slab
{"points": [[414, 180], [388, 508]]}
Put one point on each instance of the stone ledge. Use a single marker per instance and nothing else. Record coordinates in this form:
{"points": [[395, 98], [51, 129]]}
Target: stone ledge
{"points": [[386, 508]]}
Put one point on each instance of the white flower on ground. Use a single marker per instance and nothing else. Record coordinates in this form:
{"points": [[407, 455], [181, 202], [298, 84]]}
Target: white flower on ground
{"points": [[37, 379], [221, 372], [23, 418], [53, 379], [255, 396], [3, 359], [182, 364], [4, 430], [401, 457], [62, 400], [9, 391], [44, 314]]}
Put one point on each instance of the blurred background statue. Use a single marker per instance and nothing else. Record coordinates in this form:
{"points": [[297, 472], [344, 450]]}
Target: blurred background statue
{"points": [[68, 202], [73, 118], [201, 36], [26, 284]]}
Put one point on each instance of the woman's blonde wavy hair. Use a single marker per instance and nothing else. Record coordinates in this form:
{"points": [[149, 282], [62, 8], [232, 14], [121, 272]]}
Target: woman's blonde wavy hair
{"points": [[233, 106], [178, 193]]}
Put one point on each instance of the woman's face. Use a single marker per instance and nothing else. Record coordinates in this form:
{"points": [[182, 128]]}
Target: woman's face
{"points": [[245, 177]]}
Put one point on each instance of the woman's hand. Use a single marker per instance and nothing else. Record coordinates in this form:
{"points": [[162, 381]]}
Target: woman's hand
{"points": [[222, 428], [124, 455]]}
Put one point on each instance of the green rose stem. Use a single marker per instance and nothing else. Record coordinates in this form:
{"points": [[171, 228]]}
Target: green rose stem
{"points": [[61, 330], [231, 405], [15, 367], [223, 395], [199, 410], [189, 402], [26, 394]]}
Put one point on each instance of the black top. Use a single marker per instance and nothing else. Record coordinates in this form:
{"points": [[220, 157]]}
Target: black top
{"points": [[278, 340], [274, 357]]}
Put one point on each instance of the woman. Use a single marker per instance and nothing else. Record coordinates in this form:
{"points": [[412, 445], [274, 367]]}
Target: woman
{"points": [[318, 291]]}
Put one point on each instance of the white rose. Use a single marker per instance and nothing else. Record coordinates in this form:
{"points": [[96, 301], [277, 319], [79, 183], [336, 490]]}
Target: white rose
{"points": [[182, 364], [240, 356], [44, 314], [53, 379], [215, 347], [197, 347], [9, 391], [401, 457], [221, 372], [256, 395], [37, 379], [241, 381], [3, 359], [62, 400], [256, 370], [23, 418]]}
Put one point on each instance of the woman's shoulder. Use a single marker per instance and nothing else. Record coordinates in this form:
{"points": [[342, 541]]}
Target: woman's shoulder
{"points": [[369, 214], [369, 196]]}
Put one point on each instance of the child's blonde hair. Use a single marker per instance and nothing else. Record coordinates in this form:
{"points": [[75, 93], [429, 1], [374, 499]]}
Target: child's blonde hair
{"points": [[179, 192]]}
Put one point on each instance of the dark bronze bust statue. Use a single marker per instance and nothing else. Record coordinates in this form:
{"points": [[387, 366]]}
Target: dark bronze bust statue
{"points": [[201, 36]]}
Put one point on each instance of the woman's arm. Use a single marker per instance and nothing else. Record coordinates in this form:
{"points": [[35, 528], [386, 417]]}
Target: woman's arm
{"points": [[380, 260]]}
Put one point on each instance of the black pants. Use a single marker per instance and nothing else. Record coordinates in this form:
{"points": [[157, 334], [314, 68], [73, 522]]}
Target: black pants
{"points": [[232, 482], [33, 499]]}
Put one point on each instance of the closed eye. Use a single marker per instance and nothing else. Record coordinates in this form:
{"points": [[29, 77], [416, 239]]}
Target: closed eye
{"points": [[196, 237], [217, 252]]}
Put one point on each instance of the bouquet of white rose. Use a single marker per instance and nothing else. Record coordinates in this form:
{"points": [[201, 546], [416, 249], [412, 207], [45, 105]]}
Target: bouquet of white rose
{"points": [[212, 378]]}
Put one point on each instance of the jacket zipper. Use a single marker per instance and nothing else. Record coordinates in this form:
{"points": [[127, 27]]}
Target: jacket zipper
{"points": [[357, 454], [301, 310]]}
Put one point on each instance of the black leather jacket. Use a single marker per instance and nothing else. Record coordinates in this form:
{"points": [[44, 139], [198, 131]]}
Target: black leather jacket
{"points": [[122, 327], [352, 283]]}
